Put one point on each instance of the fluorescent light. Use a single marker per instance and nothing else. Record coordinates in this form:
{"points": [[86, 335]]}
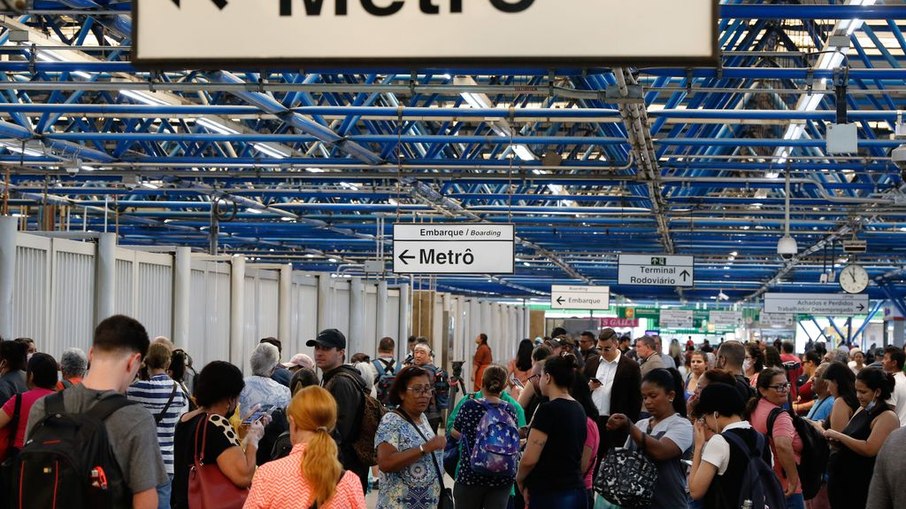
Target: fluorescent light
{"points": [[315, 170], [148, 98], [254, 211], [269, 150], [19, 150], [215, 126], [524, 153]]}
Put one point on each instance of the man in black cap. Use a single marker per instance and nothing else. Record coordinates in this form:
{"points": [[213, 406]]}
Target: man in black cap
{"points": [[347, 386]]}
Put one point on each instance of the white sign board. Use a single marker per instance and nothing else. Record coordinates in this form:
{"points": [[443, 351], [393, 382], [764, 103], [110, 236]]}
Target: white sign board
{"points": [[580, 297], [725, 319], [656, 270], [676, 319], [421, 31], [777, 320], [453, 249], [822, 304]]}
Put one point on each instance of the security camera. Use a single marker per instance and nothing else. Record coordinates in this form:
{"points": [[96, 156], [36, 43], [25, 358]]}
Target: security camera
{"points": [[787, 247], [898, 157]]}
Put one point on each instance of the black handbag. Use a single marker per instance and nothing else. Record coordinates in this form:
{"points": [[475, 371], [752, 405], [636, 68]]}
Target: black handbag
{"points": [[445, 501], [627, 477]]}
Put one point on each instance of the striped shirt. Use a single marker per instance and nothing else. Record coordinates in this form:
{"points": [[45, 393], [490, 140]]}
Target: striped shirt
{"points": [[153, 394]]}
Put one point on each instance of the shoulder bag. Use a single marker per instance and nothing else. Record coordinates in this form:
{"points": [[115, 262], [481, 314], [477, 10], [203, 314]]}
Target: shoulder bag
{"points": [[627, 477], [209, 488], [445, 501]]}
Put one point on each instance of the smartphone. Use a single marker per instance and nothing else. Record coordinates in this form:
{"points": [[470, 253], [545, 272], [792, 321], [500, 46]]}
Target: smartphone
{"points": [[254, 417], [515, 381]]}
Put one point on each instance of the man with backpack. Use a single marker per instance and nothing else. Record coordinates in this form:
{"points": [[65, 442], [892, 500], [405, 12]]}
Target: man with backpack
{"points": [[347, 386], [385, 368], [88, 445]]}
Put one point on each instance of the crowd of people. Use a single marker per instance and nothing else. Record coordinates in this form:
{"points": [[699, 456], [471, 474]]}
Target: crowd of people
{"points": [[588, 422]]}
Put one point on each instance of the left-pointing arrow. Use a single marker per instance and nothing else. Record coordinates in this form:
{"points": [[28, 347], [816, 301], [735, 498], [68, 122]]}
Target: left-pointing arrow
{"points": [[403, 257]]}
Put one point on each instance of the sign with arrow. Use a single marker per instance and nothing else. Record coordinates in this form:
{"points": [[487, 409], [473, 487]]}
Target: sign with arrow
{"points": [[453, 249], [816, 304], [656, 270], [726, 319], [580, 297], [677, 319], [231, 33]]}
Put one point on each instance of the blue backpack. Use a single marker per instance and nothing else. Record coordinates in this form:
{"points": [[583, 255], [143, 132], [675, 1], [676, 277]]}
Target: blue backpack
{"points": [[495, 452], [759, 483]]}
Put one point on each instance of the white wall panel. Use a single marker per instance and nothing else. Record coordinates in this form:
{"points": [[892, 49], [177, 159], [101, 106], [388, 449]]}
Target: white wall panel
{"points": [[304, 320], [31, 292], [154, 296], [125, 288], [262, 295], [73, 287], [209, 324], [340, 316], [392, 325], [370, 339]]}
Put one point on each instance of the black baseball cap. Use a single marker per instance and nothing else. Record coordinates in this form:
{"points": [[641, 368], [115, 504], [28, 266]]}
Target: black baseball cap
{"points": [[330, 338]]}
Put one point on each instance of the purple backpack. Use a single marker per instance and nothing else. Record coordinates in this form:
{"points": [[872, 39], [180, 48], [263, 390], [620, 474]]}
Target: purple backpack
{"points": [[495, 452]]}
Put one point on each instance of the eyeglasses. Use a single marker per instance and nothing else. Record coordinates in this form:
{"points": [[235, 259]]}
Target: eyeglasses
{"points": [[422, 390], [780, 387]]}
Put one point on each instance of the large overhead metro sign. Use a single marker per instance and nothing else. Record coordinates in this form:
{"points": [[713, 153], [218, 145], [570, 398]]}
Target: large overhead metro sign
{"points": [[227, 33], [821, 304], [453, 249]]}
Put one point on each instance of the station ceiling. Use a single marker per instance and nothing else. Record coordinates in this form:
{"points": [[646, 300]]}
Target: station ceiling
{"points": [[314, 168]]}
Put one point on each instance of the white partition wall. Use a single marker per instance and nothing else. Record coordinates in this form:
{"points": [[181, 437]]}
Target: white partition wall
{"points": [[262, 305], [209, 315], [304, 314], [72, 295], [31, 288], [144, 289]]}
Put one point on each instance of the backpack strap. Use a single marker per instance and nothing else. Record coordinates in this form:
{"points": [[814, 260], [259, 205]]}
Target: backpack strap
{"points": [[17, 414], [106, 406], [379, 366], [772, 418], [740, 443], [159, 417]]}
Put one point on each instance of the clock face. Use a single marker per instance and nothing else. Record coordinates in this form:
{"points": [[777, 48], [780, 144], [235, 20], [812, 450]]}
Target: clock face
{"points": [[853, 279]]}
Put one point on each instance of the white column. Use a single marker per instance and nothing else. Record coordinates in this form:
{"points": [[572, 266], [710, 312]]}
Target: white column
{"points": [[355, 336], [182, 295], [7, 274], [380, 320], [325, 298], [105, 277], [405, 313], [237, 310], [285, 307]]}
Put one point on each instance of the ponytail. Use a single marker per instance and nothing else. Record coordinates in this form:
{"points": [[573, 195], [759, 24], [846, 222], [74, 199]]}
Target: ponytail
{"points": [[314, 409]]}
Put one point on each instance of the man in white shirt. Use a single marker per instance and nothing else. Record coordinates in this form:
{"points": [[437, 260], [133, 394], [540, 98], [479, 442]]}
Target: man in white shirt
{"points": [[615, 382], [894, 358]]}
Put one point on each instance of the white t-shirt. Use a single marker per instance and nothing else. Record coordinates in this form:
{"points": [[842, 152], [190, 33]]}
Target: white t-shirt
{"points": [[607, 371], [898, 398], [717, 450]]}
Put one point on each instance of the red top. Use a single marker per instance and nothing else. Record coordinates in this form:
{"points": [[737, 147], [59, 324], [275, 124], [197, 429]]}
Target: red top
{"points": [[9, 408]]}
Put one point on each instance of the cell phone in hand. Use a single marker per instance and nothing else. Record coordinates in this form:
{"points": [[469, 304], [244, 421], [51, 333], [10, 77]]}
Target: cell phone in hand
{"points": [[255, 416]]}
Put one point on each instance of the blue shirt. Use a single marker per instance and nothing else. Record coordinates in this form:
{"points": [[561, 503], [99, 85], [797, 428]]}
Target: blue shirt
{"points": [[821, 410]]}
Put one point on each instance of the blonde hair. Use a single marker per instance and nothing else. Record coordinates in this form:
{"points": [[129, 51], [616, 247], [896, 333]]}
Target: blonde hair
{"points": [[314, 409]]}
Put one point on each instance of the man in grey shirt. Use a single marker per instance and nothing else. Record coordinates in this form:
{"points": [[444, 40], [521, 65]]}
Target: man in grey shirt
{"points": [[119, 345], [885, 491]]}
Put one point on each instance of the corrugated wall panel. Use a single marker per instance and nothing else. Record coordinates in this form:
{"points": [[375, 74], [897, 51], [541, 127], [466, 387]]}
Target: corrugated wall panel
{"points": [[30, 293], [392, 327], [304, 322], [125, 289], [340, 316], [209, 324], [154, 299], [73, 294], [369, 341]]}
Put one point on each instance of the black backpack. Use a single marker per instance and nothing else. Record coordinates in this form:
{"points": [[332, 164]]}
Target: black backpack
{"points": [[759, 484], [68, 461], [815, 453]]}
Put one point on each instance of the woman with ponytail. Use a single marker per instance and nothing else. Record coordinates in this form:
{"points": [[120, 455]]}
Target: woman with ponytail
{"points": [[665, 436], [311, 476], [852, 460]]}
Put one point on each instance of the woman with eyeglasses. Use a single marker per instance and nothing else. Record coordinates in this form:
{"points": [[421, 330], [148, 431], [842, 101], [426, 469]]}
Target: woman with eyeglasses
{"points": [[786, 445], [409, 454], [852, 460]]}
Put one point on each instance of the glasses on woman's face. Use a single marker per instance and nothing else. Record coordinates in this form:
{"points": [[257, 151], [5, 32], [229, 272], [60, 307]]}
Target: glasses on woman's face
{"points": [[780, 387], [421, 389]]}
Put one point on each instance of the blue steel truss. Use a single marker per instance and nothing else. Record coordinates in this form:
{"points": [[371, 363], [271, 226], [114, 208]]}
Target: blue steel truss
{"points": [[313, 169]]}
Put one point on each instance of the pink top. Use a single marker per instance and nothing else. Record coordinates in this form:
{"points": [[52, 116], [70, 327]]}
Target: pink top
{"points": [[28, 399], [279, 484], [592, 440], [783, 427]]}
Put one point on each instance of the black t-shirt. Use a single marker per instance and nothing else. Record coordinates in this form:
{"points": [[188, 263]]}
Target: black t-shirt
{"points": [[220, 438], [560, 465]]}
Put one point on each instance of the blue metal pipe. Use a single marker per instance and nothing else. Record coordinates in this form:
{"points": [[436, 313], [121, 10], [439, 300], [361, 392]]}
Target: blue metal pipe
{"points": [[812, 12]]}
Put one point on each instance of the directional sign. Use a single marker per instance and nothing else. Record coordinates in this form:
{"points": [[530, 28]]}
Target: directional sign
{"points": [[580, 297], [778, 320], [677, 319], [726, 319], [237, 32], [453, 249], [821, 304], [657, 270]]}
